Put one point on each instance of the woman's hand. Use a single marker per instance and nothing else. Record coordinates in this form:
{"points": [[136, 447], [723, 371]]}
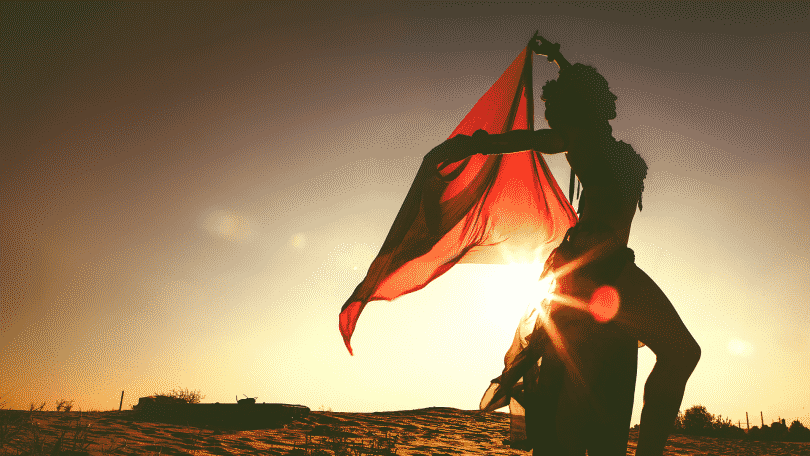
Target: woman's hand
{"points": [[548, 49], [458, 147], [544, 47]]}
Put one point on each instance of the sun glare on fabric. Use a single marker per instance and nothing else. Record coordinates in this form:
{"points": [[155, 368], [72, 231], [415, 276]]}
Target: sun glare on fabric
{"points": [[510, 291]]}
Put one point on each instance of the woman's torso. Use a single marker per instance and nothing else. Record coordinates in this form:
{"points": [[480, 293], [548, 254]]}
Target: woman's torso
{"points": [[612, 177]]}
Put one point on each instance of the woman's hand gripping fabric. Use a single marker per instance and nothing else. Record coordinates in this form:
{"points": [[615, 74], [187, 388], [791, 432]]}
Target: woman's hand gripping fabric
{"points": [[458, 148]]}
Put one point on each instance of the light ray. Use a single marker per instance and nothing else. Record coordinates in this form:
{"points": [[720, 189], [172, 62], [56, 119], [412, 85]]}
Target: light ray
{"points": [[583, 259], [568, 301], [559, 345], [537, 318]]}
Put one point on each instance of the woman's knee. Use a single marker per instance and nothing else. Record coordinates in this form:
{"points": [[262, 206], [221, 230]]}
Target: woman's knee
{"points": [[689, 357], [681, 359], [693, 353]]}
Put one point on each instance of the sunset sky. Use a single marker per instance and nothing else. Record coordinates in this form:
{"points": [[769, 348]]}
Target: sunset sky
{"points": [[189, 193]]}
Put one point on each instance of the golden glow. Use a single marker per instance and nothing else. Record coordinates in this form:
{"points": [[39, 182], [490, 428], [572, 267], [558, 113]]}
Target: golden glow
{"points": [[515, 290], [740, 347]]}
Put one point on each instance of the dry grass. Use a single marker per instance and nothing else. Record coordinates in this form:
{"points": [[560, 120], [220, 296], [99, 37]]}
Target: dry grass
{"points": [[338, 442], [22, 433]]}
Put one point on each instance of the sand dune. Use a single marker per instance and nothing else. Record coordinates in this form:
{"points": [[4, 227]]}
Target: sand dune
{"points": [[433, 431]]}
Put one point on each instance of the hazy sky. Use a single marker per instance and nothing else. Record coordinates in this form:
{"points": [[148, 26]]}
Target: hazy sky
{"points": [[191, 191]]}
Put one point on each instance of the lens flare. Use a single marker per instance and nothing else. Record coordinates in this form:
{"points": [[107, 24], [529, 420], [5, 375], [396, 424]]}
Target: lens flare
{"points": [[604, 303], [228, 225], [299, 241], [603, 307]]}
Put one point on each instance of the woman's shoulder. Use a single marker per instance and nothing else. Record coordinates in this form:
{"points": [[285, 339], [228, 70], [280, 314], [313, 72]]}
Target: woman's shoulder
{"points": [[624, 151], [623, 145]]}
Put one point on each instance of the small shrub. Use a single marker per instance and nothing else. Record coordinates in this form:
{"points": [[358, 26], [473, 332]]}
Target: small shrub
{"points": [[64, 405], [698, 421], [725, 428], [779, 431], [189, 397], [798, 433], [36, 408]]}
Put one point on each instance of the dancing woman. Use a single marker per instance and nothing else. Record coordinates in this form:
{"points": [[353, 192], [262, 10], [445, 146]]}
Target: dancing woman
{"points": [[579, 105]]}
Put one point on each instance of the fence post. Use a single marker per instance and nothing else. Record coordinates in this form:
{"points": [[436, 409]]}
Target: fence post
{"points": [[761, 419], [747, 427], [122, 401]]}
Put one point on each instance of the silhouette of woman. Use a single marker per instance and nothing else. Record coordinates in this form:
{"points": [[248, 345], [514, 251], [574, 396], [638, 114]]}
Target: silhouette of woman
{"points": [[579, 105]]}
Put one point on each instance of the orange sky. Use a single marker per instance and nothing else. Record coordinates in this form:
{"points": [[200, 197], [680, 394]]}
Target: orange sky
{"points": [[191, 192]]}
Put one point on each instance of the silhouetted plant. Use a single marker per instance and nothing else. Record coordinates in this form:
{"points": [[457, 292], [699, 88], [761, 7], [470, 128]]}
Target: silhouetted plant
{"points": [[697, 420], [64, 405], [189, 397], [28, 438], [779, 431], [725, 428], [78, 443], [36, 408], [798, 433]]}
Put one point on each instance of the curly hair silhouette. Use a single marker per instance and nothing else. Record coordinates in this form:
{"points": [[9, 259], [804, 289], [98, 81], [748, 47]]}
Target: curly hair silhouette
{"points": [[579, 95]]}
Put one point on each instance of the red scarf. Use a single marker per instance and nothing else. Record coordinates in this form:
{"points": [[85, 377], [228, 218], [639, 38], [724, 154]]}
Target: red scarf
{"points": [[482, 209]]}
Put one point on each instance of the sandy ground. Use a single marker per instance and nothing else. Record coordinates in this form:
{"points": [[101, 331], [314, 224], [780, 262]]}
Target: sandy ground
{"points": [[434, 431]]}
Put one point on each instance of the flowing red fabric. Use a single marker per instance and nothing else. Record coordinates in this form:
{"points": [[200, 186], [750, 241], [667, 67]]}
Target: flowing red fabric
{"points": [[483, 209]]}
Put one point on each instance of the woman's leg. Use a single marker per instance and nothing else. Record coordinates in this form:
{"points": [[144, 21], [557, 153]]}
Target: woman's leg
{"points": [[646, 314]]}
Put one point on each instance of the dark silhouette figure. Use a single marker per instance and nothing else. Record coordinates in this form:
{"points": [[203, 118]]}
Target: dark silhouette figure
{"points": [[579, 105], [586, 402]]}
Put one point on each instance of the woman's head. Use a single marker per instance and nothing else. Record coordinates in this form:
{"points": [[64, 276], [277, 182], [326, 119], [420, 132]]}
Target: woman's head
{"points": [[579, 95]]}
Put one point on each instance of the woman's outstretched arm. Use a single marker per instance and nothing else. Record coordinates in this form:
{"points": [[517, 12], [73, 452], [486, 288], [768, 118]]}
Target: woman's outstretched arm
{"points": [[544, 140], [460, 147]]}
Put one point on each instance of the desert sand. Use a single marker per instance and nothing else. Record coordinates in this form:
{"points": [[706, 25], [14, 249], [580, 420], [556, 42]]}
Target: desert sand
{"points": [[432, 431]]}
